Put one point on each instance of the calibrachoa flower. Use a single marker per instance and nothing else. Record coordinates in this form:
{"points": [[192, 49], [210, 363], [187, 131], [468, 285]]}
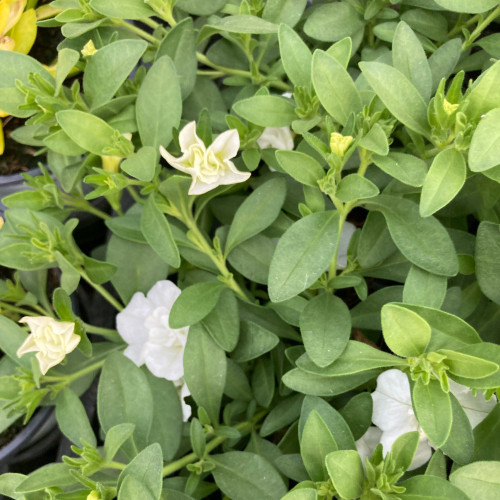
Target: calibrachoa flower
{"points": [[209, 167], [393, 412], [143, 324], [276, 137], [51, 339]]}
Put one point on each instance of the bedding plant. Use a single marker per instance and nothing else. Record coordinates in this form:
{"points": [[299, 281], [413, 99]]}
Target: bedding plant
{"points": [[301, 267]]}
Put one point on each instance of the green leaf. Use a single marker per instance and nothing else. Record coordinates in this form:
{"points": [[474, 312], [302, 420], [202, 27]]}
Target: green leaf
{"points": [[358, 414], [166, 429], [444, 60], [357, 357], [9, 482], [325, 325], [433, 411], [12, 336], [108, 68], [487, 263], [288, 12], [443, 182], [398, 94], [409, 58], [66, 60], [355, 187], [263, 382], [259, 210], [437, 465], [156, 230], [430, 488], [404, 448], [316, 443], [301, 494], [200, 8], [254, 341], [124, 397], [73, 420], [243, 23], [302, 255], [122, 9], [487, 437], [332, 22], [467, 366], [483, 152], [146, 468], [302, 167], [341, 50], [266, 110], [222, 323], [424, 289], [159, 104], [89, 132], [115, 438], [346, 472], [47, 476], [485, 93], [479, 480], [16, 66], [282, 415], [405, 332], [141, 165], [467, 7], [205, 370], [239, 475], [405, 168], [179, 45], [131, 487], [295, 56], [194, 303], [424, 242], [334, 87], [375, 140], [447, 330]]}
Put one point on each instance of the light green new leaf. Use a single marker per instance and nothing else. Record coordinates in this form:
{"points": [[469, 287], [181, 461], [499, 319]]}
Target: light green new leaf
{"points": [[122, 9], [484, 152], [424, 242], [404, 448], [205, 368], [431, 488], [302, 167], [141, 165], [302, 255], [325, 325], [156, 230], [159, 104], [266, 110], [443, 61], [464, 365], [480, 480], [346, 472], [316, 443], [443, 182], [295, 56], [433, 411], [485, 94], [341, 50], [356, 187], [66, 60], [239, 474], [487, 259], [334, 87], [194, 303], [108, 68], [409, 57], [405, 332], [466, 6], [288, 12], [199, 7], [259, 210], [398, 94], [89, 132], [375, 140]]}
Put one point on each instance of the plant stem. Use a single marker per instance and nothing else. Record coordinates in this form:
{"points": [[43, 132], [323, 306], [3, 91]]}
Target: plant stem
{"points": [[20, 310], [105, 294], [211, 445], [227, 71], [480, 27], [115, 465], [138, 31], [98, 330], [84, 371]]}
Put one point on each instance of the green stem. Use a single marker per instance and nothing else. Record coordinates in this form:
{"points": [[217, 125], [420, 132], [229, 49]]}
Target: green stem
{"points": [[105, 332], [138, 31], [134, 195], [333, 264], [457, 29], [104, 293], [20, 310], [480, 27], [115, 465], [211, 445], [227, 71]]}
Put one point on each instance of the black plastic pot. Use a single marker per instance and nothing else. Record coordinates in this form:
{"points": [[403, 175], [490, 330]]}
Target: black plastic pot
{"points": [[13, 183]]}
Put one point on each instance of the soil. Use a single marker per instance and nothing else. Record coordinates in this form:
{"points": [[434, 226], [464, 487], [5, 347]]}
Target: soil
{"points": [[11, 432]]}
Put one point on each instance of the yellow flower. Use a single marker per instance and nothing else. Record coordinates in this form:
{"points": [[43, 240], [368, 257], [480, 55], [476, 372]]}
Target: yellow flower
{"points": [[51, 339], [340, 143], [17, 28]]}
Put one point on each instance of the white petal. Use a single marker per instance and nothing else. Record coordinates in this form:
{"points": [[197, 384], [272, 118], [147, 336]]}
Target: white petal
{"points": [[134, 352], [197, 187], [28, 345], [368, 442], [345, 238], [234, 177], [276, 137], [163, 294], [180, 163], [226, 145], [130, 321], [164, 362], [188, 137], [475, 407]]}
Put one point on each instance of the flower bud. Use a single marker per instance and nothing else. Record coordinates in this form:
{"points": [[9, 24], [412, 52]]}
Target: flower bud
{"points": [[340, 143], [89, 49], [51, 339], [94, 495], [448, 107]]}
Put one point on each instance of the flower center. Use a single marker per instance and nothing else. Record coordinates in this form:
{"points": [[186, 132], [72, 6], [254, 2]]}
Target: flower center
{"points": [[205, 163]]}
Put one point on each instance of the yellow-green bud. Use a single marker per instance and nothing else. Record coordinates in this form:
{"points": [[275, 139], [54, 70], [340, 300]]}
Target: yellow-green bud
{"points": [[94, 495], [448, 107], [89, 49], [111, 163], [340, 143]]}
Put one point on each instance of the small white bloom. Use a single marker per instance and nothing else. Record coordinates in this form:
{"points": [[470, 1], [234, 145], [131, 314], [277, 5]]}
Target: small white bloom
{"points": [[276, 137], [51, 339], [345, 238], [209, 167], [367, 443], [393, 411]]}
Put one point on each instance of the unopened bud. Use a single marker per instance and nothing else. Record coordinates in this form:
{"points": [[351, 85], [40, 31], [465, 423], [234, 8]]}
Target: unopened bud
{"points": [[448, 107], [94, 495], [89, 49], [340, 143]]}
